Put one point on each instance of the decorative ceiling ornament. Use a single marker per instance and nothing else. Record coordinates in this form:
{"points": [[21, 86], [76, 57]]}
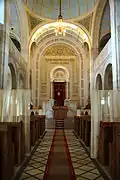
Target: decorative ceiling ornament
{"points": [[60, 28]]}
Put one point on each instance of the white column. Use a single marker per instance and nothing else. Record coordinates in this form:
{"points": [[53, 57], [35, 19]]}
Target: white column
{"points": [[95, 110], [115, 41], [4, 36]]}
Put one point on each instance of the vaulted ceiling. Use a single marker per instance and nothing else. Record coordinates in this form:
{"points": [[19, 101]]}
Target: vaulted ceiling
{"points": [[71, 9]]}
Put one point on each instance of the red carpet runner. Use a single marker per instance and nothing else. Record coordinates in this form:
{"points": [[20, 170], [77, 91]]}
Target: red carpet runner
{"points": [[59, 165]]}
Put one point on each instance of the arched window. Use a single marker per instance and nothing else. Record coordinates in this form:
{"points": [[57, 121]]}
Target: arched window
{"points": [[108, 78], [104, 41], [16, 43], [99, 82]]}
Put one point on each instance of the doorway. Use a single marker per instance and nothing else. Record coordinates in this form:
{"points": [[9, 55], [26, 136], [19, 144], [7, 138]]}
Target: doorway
{"points": [[59, 93]]}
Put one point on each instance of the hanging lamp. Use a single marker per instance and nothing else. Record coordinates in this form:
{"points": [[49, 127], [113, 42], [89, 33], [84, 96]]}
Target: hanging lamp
{"points": [[60, 29]]}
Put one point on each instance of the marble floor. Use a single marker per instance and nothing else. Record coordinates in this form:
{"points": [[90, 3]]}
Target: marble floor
{"points": [[83, 166]]}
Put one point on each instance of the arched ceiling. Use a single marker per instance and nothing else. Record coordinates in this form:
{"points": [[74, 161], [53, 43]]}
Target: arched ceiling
{"points": [[59, 50], [48, 30], [71, 9]]}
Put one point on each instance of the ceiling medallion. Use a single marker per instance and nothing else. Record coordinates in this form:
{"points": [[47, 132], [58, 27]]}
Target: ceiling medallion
{"points": [[60, 29]]}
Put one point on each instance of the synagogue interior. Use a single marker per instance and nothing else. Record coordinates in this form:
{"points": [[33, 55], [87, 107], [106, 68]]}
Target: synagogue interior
{"points": [[59, 90]]}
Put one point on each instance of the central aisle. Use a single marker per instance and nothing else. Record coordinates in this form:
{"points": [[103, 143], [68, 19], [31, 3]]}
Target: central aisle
{"points": [[59, 165], [56, 156]]}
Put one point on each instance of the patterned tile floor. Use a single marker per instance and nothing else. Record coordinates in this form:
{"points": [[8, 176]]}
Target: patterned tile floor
{"points": [[83, 166], [37, 164]]}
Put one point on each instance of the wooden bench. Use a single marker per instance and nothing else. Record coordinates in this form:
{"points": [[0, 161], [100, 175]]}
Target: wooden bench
{"points": [[82, 128], [77, 125], [42, 125], [32, 130], [106, 137], [37, 127], [114, 152], [11, 148]]}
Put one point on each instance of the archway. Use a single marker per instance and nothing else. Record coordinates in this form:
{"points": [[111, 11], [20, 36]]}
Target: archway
{"points": [[59, 84], [104, 41], [9, 79], [9, 95], [108, 78], [13, 75], [99, 82]]}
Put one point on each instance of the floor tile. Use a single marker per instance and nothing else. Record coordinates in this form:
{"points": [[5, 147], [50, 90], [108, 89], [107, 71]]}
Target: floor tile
{"points": [[84, 167]]}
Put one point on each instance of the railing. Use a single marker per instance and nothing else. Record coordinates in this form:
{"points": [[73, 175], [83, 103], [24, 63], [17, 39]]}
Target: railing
{"points": [[14, 51], [103, 54]]}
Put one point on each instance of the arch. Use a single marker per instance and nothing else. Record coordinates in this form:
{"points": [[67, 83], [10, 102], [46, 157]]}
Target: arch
{"points": [[60, 69], [15, 26], [86, 46], [14, 82], [99, 82], [96, 27], [9, 79], [23, 30], [104, 41], [46, 29], [16, 42], [108, 78]]}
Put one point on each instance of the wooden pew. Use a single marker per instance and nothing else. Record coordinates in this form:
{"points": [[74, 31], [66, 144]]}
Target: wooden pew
{"points": [[85, 126], [82, 128], [7, 152], [32, 130], [106, 137], [17, 129], [42, 125], [37, 127], [77, 125], [22, 142], [114, 151], [87, 130], [16, 138]]}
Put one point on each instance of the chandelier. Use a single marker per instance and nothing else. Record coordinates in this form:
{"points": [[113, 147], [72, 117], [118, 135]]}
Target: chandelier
{"points": [[60, 29]]}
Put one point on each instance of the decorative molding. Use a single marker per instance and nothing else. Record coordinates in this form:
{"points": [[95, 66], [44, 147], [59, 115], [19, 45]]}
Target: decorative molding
{"points": [[87, 22], [59, 50], [33, 21]]}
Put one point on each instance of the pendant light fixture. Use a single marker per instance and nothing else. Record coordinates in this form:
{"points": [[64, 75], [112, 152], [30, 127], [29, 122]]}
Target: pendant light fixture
{"points": [[60, 29]]}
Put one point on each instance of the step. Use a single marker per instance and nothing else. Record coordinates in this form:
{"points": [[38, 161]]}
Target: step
{"points": [[59, 124]]}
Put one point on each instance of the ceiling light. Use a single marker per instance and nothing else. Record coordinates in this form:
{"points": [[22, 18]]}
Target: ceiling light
{"points": [[60, 29]]}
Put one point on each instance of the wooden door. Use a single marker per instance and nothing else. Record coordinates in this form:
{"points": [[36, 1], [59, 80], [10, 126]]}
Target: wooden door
{"points": [[59, 93]]}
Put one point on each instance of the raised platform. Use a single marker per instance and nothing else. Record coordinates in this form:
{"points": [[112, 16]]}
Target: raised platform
{"points": [[60, 112]]}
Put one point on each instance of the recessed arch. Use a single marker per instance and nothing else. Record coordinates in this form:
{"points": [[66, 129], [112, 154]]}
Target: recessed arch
{"points": [[16, 43], [14, 82], [104, 40], [99, 82], [108, 78], [63, 69], [97, 17], [44, 30]]}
